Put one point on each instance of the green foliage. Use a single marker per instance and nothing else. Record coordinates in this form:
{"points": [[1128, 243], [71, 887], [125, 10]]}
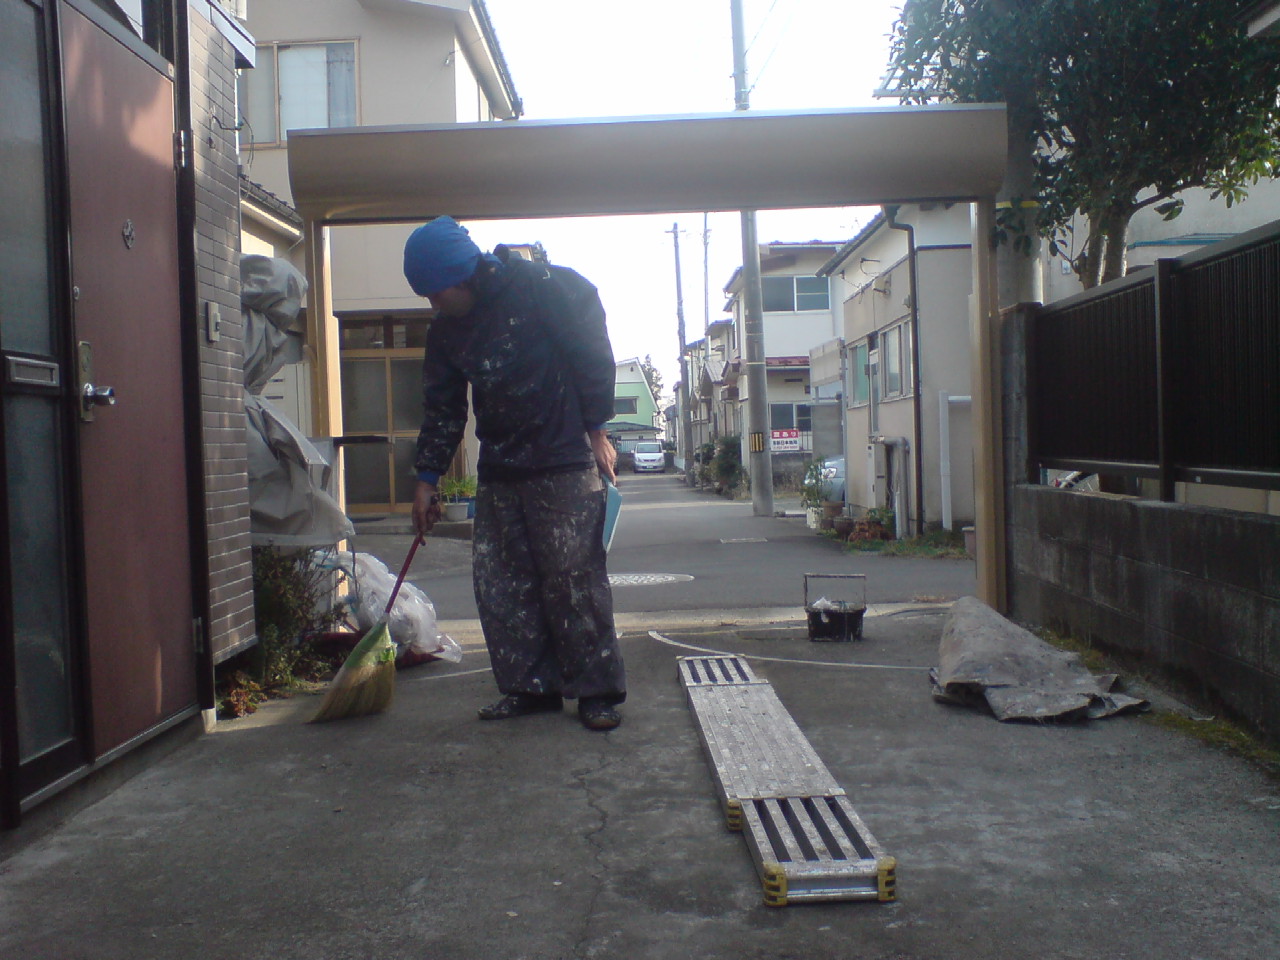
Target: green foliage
{"points": [[1122, 105], [703, 457], [726, 465], [811, 485], [291, 595], [935, 545], [292, 608], [654, 378], [883, 516], [453, 489]]}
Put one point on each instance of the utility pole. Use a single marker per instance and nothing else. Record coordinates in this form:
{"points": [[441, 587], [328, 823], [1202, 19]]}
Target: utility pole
{"points": [[760, 465], [706, 275], [686, 415]]}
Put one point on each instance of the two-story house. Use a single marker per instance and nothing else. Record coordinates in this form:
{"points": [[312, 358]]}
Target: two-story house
{"points": [[367, 63], [903, 284], [635, 413], [798, 316]]}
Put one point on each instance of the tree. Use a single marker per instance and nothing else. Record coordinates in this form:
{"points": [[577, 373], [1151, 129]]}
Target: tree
{"points": [[654, 377], [1127, 104]]}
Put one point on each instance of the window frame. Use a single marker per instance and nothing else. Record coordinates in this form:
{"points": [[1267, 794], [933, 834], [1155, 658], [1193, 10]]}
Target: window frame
{"points": [[620, 402], [268, 53], [795, 293], [895, 347], [859, 375]]}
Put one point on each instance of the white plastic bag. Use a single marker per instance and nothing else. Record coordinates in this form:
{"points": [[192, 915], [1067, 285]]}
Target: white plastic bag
{"points": [[413, 618]]}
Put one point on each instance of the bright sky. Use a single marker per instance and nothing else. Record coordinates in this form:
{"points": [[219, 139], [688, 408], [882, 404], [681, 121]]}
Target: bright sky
{"points": [[609, 58]]}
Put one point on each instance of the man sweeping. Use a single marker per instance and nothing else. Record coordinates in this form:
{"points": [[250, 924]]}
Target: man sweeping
{"points": [[531, 341]]}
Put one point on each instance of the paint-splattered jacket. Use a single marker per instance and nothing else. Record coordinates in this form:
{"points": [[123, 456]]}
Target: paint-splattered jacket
{"points": [[536, 352]]}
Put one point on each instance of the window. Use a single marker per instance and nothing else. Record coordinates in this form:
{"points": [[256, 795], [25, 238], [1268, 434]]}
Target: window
{"points": [[895, 361], [791, 294], [623, 405], [790, 416], [812, 293], [860, 391], [299, 86]]}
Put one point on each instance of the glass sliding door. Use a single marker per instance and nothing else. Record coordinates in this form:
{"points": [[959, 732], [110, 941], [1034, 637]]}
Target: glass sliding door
{"points": [[381, 397], [40, 729]]}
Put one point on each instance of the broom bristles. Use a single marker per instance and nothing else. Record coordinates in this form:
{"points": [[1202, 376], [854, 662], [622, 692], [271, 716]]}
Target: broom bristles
{"points": [[366, 683]]}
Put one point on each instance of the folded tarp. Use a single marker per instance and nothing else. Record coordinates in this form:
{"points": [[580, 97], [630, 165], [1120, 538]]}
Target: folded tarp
{"points": [[289, 502], [983, 658]]}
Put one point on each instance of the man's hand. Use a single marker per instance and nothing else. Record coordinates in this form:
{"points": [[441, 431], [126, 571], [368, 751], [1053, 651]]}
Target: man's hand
{"points": [[426, 508], [606, 456]]}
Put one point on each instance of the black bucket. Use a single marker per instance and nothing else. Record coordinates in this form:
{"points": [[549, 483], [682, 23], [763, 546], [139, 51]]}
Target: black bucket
{"points": [[840, 623]]}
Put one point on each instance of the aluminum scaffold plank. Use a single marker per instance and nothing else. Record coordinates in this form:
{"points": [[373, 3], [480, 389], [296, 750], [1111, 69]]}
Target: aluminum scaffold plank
{"points": [[803, 834]]}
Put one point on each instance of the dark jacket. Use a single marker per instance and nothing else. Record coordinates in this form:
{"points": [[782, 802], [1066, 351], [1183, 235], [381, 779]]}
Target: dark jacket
{"points": [[536, 352]]}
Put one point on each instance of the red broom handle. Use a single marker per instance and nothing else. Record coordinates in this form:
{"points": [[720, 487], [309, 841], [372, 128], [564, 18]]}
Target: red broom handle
{"points": [[417, 541]]}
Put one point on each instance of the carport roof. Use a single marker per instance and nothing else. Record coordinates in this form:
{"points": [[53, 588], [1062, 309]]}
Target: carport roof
{"points": [[745, 160]]}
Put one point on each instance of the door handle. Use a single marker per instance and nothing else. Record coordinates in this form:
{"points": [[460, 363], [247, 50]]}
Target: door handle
{"points": [[93, 396]]}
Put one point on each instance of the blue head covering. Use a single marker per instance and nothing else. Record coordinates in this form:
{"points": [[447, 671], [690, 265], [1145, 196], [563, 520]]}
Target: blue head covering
{"points": [[438, 255]]}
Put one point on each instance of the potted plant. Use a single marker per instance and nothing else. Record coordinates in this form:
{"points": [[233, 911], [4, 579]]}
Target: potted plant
{"points": [[459, 496], [811, 493], [876, 524]]}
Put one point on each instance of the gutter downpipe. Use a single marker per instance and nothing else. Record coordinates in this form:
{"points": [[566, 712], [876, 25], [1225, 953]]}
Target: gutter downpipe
{"points": [[917, 415], [945, 401]]}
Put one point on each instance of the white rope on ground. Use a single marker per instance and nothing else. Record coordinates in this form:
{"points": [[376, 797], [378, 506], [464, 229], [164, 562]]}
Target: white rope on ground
{"points": [[809, 663], [443, 676]]}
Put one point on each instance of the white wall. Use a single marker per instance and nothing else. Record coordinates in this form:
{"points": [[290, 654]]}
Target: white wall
{"points": [[409, 70], [795, 334], [1200, 215]]}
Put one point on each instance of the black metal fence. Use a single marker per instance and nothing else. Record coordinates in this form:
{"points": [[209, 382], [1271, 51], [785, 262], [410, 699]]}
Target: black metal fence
{"points": [[1172, 373]]}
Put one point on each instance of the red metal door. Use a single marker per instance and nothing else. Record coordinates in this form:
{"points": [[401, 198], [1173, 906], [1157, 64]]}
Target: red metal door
{"points": [[124, 253]]}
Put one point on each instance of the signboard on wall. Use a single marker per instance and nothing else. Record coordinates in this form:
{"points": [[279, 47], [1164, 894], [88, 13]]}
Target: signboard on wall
{"points": [[782, 440]]}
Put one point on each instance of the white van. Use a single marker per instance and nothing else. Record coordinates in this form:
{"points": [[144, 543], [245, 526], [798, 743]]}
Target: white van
{"points": [[649, 457]]}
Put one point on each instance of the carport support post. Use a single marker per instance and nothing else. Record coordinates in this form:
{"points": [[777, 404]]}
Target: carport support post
{"points": [[322, 337], [988, 437]]}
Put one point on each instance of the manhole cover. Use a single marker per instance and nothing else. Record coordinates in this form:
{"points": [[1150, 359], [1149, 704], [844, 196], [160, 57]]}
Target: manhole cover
{"points": [[645, 579]]}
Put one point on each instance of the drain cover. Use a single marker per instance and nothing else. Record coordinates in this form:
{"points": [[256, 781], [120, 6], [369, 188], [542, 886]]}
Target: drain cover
{"points": [[645, 579]]}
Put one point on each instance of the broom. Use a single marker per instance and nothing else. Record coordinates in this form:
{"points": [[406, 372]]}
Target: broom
{"points": [[366, 683]]}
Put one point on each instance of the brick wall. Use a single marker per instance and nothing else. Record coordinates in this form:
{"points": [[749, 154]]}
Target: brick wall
{"points": [[1191, 592], [213, 111]]}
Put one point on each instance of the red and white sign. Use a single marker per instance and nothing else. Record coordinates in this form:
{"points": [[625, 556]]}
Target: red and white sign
{"points": [[785, 440]]}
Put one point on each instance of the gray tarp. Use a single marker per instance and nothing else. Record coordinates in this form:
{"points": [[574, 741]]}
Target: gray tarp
{"points": [[984, 657], [288, 503]]}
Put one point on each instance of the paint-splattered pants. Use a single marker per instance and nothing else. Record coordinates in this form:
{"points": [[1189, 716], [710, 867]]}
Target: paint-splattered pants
{"points": [[542, 588]]}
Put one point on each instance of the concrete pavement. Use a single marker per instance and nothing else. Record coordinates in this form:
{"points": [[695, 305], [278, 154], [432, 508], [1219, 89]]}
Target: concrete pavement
{"points": [[424, 833]]}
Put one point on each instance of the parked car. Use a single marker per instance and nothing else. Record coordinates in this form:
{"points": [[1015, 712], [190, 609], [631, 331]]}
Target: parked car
{"points": [[649, 457], [831, 486]]}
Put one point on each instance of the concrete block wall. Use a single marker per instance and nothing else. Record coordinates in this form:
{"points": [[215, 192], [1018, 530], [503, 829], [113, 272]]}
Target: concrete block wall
{"points": [[216, 164], [1192, 592]]}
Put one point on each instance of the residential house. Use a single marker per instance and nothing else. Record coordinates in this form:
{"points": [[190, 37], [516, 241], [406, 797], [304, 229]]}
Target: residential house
{"points": [[798, 316], [904, 283], [713, 386], [366, 63], [1204, 220], [635, 412], [125, 561]]}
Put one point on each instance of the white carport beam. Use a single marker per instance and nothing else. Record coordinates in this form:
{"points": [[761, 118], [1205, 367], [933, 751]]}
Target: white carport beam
{"points": [[745, 160], [552, 168]]}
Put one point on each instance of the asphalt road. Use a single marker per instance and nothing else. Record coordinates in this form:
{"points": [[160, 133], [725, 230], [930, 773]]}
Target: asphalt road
{"points": [[718, 555]]}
